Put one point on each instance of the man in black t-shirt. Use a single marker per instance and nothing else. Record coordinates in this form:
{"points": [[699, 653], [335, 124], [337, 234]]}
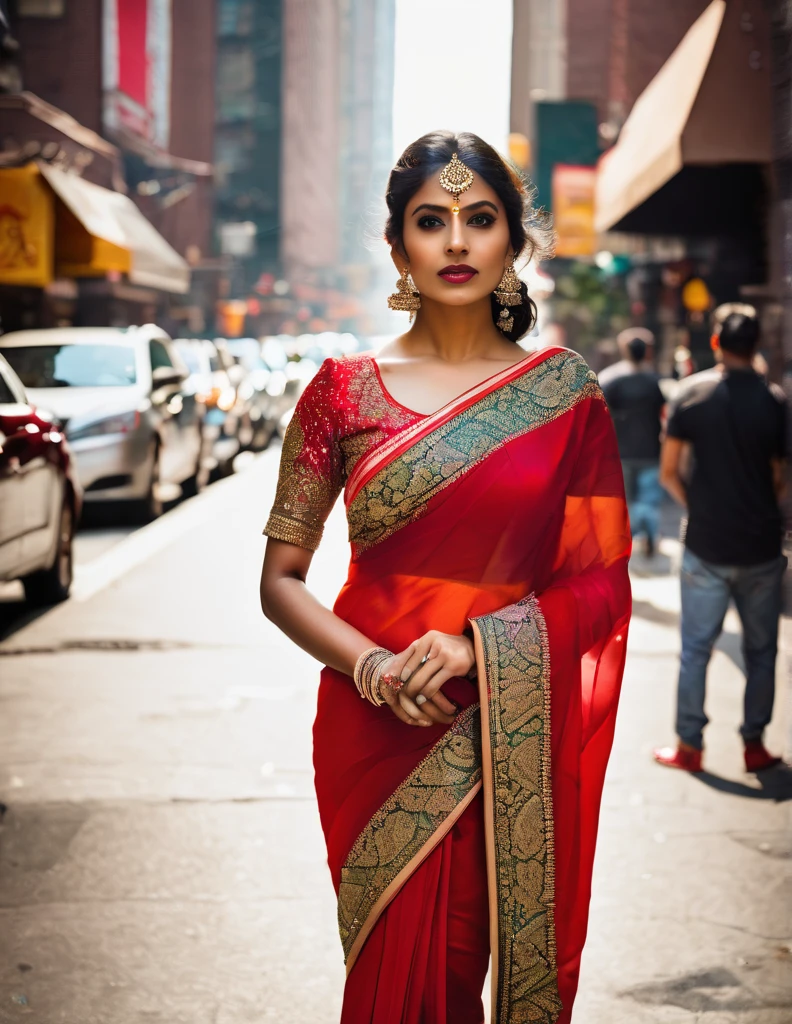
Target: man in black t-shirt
{"points": [[735, 426], [636, 402]]}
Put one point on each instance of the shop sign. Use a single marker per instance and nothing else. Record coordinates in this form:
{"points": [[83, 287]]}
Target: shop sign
{"points": [[573, 210], [136, 68]]}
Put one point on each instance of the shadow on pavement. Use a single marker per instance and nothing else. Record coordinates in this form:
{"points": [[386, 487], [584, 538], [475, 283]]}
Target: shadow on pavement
{"points": [[15, 615], [774, 784], [719, 989]]}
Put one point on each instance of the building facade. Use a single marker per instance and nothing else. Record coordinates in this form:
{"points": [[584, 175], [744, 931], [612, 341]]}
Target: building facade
{"points": [[248, 137], [110, 92]]}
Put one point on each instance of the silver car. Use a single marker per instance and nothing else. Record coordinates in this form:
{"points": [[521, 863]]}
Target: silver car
{"points": [[118, 394]]}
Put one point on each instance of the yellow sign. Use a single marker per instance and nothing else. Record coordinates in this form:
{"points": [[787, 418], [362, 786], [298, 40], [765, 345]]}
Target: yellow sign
{"points": [[26, 228], [520, 150], [573, 210], [695, 296]]}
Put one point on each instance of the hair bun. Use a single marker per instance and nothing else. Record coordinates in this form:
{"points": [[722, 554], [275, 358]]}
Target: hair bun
{"points": [[524, 315]]}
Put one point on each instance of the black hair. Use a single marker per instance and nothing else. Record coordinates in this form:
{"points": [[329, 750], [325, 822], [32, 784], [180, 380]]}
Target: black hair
{"points": [[635, 342], [739, 334], [636, 350], [429, 155]]}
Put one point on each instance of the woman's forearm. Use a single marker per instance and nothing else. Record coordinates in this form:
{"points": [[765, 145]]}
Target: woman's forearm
{"points": [[288, 603]]}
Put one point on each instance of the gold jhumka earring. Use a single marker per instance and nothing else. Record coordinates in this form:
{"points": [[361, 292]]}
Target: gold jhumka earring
{"points": [[406, 298], [456, 178], [508, 294]]}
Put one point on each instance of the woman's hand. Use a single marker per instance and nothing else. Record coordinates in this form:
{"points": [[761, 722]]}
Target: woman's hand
{"points": [[405, 709], [431, 661]]}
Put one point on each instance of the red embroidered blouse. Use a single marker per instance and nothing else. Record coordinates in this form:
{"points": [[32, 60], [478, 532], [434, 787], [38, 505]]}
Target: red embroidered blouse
{"points": [[343, 414]]}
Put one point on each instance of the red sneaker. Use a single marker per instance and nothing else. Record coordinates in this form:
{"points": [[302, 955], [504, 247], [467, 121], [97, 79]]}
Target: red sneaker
{"points": [[757, 758], [688, 759]]}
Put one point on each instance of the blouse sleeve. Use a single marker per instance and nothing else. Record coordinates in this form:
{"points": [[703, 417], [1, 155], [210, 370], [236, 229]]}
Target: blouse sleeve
{"points": [[311, 471]]}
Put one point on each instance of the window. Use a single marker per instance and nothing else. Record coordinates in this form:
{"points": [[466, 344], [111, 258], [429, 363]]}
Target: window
{"points": [[6, 394], [41, 8], [76, 366], [235, 17], [159, 355]]}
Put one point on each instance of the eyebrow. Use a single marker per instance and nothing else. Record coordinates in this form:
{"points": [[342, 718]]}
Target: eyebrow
{"points": [[444, 209]]}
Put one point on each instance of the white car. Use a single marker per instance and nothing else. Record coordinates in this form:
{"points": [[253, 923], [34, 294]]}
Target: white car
{"points": [[118, 393]]}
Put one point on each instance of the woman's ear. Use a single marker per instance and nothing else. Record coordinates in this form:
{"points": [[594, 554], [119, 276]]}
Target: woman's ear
{"points": [[399, 260]]}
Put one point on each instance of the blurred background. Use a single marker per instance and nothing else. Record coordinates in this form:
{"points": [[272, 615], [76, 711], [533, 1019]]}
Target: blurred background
{"points": [[191, 208]]}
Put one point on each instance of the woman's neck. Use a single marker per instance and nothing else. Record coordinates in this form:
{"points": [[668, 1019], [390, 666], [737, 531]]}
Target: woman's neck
{"points": [[454, 334]]}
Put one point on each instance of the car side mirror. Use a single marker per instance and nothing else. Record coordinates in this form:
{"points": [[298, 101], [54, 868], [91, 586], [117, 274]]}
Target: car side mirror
{"points": [[166, 375]]}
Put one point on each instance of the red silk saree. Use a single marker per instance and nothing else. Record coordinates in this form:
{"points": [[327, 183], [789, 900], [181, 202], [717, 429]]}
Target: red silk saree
{"points": [[503, 511]]}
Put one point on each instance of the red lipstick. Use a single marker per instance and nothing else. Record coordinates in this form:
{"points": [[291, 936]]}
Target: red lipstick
{"points": [[457, 274]]}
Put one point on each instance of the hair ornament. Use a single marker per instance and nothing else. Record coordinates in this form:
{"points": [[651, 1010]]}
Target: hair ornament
{"points": [[456, 178]]}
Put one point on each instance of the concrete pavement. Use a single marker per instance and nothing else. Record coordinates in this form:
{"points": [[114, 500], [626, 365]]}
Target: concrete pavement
{"points": [[161, 859]]}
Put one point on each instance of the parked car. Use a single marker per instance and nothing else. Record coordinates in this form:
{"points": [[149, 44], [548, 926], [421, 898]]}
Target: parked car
{"points": [[40, 496], [119, 396], [288, 376], [210, 383], [245, 408], [268, 389]]}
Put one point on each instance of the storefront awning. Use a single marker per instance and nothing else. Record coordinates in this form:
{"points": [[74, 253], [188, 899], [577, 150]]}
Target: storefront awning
{"points": [[98, 230], [709, 105]]}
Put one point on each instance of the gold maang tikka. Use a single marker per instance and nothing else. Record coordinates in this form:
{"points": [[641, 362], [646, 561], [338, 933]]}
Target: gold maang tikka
{"points": [[456, 178]]}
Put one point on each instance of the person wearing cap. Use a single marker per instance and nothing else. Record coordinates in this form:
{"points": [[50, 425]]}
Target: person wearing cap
{"points": [[636, 402], [733, 423]]}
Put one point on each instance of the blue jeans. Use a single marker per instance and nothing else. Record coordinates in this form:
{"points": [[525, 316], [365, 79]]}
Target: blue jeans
{"points": [[706, 590], [644, 495]]}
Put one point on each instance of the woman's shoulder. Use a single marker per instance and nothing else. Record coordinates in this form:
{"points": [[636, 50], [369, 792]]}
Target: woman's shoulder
{"points": [[569, 360]]}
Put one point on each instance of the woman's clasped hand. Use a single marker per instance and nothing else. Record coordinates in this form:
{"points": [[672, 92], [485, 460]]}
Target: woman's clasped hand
{"points": [[422, 668]]}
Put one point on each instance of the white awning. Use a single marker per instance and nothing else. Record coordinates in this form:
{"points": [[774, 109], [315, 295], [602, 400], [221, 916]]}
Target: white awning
{"points": [[114, 218], [709, 105]]}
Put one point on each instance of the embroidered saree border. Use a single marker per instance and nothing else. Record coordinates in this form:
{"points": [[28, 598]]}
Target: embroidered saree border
{"points": [[365, 468], [514, 670], [399, 493], [408, 826]]}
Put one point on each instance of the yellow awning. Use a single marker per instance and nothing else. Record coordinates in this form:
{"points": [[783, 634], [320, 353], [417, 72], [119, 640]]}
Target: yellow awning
{"points": [[710, 104], [98, 230], [27, 219]]}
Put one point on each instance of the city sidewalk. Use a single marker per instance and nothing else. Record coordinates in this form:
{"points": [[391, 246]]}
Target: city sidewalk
{"points": [[161, 859]]}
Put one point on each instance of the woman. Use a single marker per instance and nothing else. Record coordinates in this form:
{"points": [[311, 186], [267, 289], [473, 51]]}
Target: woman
{"points": [[483, 619]]}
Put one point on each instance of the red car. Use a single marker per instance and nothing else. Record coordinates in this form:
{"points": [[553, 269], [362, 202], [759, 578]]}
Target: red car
{"points": [[40, 497]]}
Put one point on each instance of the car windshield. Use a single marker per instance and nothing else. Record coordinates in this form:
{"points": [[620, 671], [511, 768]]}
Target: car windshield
{"points": [[76, 366], [248, 353], [192, 357]]}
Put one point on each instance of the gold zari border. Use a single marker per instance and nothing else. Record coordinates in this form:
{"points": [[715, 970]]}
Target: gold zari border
{"points": [[399, 493], [519, 805], [408, 826]]}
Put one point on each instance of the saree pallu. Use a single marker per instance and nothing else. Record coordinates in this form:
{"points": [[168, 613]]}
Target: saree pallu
{"points": [[504, 510]]}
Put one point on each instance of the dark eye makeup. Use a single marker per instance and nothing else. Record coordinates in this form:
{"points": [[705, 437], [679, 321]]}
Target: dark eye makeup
{"points": [[479, 220]]}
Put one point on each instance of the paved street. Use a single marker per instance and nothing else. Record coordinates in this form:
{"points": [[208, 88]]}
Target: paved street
{"points": [[161, 859]]}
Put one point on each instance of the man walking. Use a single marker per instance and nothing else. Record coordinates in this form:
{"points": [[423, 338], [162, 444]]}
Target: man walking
{"points": [[735, 426], [636, 403]]}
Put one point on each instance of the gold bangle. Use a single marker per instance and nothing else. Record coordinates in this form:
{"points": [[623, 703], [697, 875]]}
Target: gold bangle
{"points": [[366, 674]]}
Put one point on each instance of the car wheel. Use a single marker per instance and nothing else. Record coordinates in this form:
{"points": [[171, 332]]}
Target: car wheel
{"points": [[51, 586], [152, 505], [200, 478]]}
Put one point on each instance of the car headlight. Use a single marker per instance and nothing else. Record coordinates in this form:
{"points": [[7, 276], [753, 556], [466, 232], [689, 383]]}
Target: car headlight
{"points": [[227, 399], [122, 423]]}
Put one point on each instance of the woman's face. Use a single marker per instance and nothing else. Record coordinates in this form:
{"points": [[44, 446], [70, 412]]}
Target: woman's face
{"points": [[459, 258]]}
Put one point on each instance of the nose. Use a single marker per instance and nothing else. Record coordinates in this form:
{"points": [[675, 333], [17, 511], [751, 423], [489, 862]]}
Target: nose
{"points": [[457, 242]]}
